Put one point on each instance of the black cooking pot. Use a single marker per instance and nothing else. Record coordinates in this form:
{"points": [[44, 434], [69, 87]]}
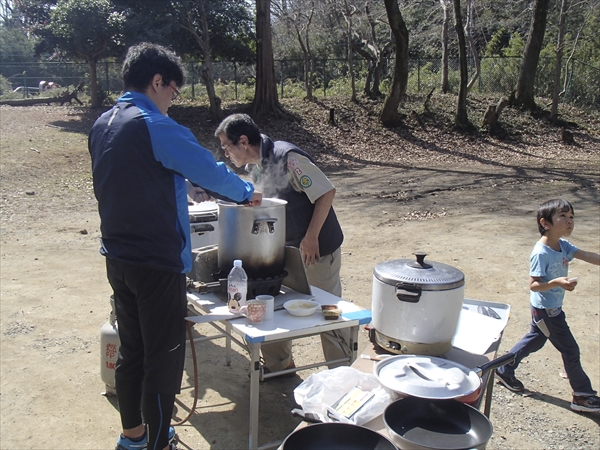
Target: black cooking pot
{"points": [[422, 424], [334, 436]]}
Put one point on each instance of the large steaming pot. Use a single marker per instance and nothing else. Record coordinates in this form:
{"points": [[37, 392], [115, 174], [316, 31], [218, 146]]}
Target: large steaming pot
{"points": [[254, 234], [416, 305]]}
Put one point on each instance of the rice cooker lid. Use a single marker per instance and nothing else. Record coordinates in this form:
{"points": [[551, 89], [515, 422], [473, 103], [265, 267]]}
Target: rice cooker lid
{"points": [[428, 275]]}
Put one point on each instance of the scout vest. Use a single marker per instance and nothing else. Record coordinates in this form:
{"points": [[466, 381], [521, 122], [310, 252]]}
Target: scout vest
{"points": [[273, 179]]}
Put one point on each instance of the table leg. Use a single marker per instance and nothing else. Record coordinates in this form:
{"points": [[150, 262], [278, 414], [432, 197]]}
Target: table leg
{"points": [[487, 407], [227, 343], [254, 394], [353, 344]]}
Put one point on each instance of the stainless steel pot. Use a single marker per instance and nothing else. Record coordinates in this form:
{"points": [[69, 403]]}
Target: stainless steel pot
{"points": [[254, 234], [416, 305]]}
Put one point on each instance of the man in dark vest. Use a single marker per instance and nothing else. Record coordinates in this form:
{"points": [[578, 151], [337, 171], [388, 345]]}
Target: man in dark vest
{"points": [[284, 171]]}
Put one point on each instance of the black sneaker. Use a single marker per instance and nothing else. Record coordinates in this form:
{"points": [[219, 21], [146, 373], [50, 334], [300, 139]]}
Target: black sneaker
{"points": [[590, 403], [511, 383]]}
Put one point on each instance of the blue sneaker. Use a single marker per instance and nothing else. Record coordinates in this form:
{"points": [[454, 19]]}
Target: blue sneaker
{"points": [[127, 444]]}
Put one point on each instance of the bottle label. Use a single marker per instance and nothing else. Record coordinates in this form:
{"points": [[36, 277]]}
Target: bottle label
{"points": [[236, 296]]}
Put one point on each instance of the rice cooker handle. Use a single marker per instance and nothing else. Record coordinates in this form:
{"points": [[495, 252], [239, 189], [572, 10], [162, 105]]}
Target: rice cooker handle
{"points": [[408, 292]]}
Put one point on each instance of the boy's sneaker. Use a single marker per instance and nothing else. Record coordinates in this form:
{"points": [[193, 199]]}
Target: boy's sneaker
{"points": [[589, 403], [510, 382], [142, 444]]}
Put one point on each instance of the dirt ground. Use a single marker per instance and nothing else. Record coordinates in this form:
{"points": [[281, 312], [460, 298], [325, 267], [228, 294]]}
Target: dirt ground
{"points": [[476, 215]]}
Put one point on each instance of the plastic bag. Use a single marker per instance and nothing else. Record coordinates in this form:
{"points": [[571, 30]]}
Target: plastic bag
{"points": [[321, 391]]}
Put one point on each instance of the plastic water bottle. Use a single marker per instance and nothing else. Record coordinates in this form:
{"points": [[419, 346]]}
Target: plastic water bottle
{"points": [[237, 287]]}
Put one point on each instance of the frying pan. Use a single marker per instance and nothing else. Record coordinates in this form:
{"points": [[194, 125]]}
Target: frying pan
{"points": [[424, 424], [434, 378], [332, 436]]}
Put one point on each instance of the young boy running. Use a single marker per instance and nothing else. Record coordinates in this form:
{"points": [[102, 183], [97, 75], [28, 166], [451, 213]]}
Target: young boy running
{"points": [[549, 267]]}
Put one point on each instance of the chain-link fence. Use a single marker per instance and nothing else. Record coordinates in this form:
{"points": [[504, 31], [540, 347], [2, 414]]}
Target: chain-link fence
{"points": [[233, 80]]}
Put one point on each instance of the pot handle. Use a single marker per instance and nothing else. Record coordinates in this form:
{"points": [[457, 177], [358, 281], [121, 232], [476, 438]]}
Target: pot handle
{"points": [[495, 363], [407, 292], [270, 224]]}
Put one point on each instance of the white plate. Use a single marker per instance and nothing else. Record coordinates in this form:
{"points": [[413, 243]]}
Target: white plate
{"points": [[301, 307]]}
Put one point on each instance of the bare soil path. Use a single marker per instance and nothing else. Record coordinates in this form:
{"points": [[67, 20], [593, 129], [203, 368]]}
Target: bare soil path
{"points": [[467, 202]]}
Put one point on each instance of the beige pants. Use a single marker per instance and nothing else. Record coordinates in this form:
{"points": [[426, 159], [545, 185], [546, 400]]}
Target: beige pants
{"points": [[324, 274]]}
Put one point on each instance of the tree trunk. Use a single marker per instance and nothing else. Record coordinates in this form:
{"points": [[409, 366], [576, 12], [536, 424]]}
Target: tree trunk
{"points": [[445, 85], [472, 46], [526, 82], [389, 113], [370, 69], [348, 12], [206, 71], [265, 101], [461, 119], [558, 64]]}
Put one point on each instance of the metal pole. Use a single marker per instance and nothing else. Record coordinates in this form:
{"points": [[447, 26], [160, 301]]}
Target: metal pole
{"points": [[192, 71], [107, 78], [282, 63], [419, 73], [235, 79], [325, 77]]}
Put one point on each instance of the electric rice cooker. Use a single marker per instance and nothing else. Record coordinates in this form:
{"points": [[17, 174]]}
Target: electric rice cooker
{"points": [[416, 306]]}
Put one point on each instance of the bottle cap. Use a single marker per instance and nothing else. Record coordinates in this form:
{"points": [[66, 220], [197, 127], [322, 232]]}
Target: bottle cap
{"points": [[237, 263]]}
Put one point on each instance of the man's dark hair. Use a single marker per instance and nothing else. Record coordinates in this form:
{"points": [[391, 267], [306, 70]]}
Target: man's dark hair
{"points": [[237, 125], [145, 60], [549, 208]]}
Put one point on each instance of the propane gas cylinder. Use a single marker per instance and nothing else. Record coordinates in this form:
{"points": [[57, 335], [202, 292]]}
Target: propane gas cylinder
{"points": [[109, 350]]}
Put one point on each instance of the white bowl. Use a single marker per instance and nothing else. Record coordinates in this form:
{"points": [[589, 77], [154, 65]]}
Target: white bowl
{"points": [[301, 307]]}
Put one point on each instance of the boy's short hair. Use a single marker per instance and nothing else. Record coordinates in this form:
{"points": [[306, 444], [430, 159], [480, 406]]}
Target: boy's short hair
{"points": [[145, 60], [237, 125], [549, 208]]}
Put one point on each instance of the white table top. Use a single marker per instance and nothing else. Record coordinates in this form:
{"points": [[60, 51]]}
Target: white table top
{"points": [[283, 325]]}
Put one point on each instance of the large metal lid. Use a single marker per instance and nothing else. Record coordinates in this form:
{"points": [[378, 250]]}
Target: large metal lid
{"points": [[428, 275], [426, 376]]}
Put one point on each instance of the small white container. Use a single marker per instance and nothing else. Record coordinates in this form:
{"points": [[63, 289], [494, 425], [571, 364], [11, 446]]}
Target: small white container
{"points": [[301, 308]]}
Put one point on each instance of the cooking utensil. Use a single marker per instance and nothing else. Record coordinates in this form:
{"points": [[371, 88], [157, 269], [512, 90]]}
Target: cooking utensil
{"points": [[204, 226], [423, 424], [434, 378], [330, 436], [256, 235], [416, 305]]}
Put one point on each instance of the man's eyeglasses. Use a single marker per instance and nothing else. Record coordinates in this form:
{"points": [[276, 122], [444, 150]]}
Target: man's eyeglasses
{"points": [[225, 147], [176, 93]]}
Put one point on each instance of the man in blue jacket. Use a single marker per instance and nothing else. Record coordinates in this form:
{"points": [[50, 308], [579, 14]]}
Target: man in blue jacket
{"points": [[140, 161]]}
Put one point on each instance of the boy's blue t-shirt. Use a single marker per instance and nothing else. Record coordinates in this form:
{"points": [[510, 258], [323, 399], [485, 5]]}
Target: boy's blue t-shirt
{"points": [[549, 264]]}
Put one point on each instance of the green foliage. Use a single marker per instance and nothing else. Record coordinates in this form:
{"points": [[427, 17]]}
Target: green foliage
{"points": [[15, 45], [87, 29], [495, 46], [516, 46], [5, 86], [500, 74]]}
